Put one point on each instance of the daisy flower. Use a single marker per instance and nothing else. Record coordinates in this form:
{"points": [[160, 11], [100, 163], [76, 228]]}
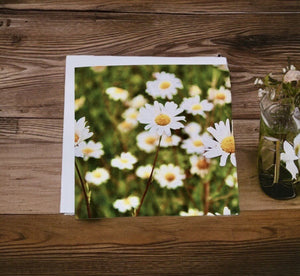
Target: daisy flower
{"points": [[195, 106], [200, 165], [130, 114], [147, 141], [169, 141], [191, 212], [289, 68], [226, 211], [289, 156], [194, 90], [231, 180], [137, 101], [160, 119], [127, 125], [192, 129], [126, 204], [165, 85], [222, 67], [195, 144], [116, 93], [82, 132], [223, 145], [219, 96], [97, 176], [90, 149], [124, 161], [297, 145], [169, 176], [144, 171], [98, 69], [79, 102], [227, 82], [258, 81]]}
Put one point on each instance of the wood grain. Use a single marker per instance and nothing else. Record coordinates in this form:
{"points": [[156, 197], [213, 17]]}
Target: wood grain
{"points": [[151, 6], [30, 178], [34, 46], [254, 243]]}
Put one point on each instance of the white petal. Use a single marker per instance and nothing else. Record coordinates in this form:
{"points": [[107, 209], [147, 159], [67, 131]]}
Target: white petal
{"points": [[233, 159], [223, 159], [291, 167], [212, 153]]}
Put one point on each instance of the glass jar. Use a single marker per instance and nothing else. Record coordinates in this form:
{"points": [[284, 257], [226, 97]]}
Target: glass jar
{"points": [[280, 122]]}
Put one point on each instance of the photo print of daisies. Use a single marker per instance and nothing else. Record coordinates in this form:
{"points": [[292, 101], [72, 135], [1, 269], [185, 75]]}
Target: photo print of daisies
{"points": [[154, 140]]}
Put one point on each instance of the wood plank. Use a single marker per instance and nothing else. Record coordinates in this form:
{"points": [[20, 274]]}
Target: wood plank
{"points": [[30, 162], [150, 6], [30, 178], [34, 46], [254, 243], [26, 130]]}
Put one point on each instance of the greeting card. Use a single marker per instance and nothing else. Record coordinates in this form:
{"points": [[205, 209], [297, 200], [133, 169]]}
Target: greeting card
{"points": [[148, 136]]}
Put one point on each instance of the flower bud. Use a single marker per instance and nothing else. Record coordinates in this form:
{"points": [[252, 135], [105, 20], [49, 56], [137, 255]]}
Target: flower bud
{"points": [[291, 75]]}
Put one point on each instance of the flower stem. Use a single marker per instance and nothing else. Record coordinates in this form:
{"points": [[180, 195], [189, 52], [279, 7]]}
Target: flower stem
{"points": [[206, 197], [149, 179], [277, 162], [83, 189]]}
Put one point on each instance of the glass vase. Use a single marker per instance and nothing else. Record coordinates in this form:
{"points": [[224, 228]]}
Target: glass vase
{"points": [[279, 123]]}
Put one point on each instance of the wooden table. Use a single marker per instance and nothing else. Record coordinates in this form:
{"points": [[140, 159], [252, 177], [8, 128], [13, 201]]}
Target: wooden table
{"points": [[256, 37]]}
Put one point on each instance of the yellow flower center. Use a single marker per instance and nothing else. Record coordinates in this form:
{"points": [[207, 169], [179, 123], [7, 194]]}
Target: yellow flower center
{"points": [[202, 164], [198, 143], [146, 174], [150, 140], [126, 125], [162, 119], [124, 160], [97, 174], [127, 201], [164, 85], [197, 107], [119, 90], [133, 116], [297, 149], [228, 144], [87, 151], [169, 176], [168, 139], [76, 137], [220, 96]]}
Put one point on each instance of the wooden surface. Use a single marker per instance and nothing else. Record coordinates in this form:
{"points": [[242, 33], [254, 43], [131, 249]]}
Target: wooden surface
{"points": [[256, 37]]}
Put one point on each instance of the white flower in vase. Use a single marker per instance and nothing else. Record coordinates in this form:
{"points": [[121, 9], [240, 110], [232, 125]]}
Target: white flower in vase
{"points": [[289, 156]]}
